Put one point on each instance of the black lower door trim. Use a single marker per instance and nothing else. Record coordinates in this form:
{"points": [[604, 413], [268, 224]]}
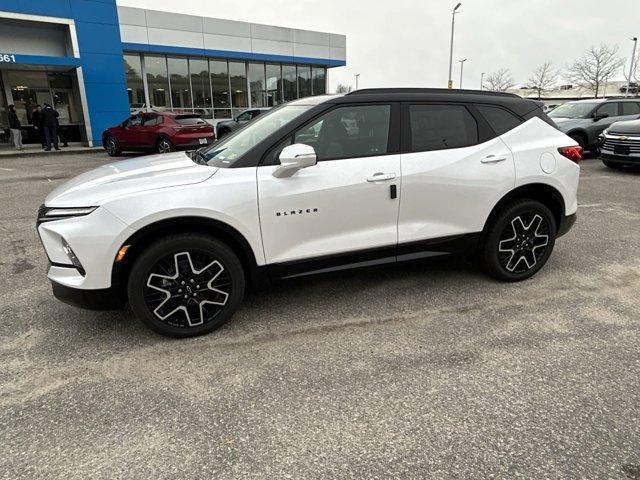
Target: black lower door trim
{"points": [[457, 244]]}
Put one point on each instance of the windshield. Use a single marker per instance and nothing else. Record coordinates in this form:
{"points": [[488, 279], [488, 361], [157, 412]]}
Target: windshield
{"points": [[573, 110], [231, 148]]}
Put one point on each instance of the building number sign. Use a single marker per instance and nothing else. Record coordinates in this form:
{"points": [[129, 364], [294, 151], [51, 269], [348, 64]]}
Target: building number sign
{"points": [[7, 58]]}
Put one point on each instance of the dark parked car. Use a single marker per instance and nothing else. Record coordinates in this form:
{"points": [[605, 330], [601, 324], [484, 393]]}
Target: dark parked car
{"points": [[223, 128], [584, 120], [620, 144], [161, 132]]}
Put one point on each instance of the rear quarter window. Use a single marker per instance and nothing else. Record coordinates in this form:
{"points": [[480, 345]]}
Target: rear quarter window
{"points": [[500, 120], [440, 127]]}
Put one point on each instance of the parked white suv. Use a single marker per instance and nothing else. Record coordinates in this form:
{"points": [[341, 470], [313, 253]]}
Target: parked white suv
{"points": [[318, 184]]}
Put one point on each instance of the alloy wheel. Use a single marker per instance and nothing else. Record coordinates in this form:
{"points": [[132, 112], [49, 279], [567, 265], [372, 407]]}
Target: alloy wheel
{"points": [[187, 289], [523, 242], [164, 146], [112, 148]]}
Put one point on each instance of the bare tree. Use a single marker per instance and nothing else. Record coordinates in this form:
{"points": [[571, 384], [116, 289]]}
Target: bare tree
{"points": [[596, 67], [343, 88], [543, 78], [499, 81]]}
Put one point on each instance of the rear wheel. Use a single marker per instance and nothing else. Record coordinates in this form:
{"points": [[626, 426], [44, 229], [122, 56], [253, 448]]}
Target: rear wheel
{"points": [[164, 145], [186, 285], [519, 241], [111, 146]]}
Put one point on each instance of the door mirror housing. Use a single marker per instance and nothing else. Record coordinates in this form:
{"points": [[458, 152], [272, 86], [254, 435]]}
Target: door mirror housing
{"points": [[599, 116], [293, 158]]}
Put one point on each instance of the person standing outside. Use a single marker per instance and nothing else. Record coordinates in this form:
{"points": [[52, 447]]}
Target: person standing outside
{"points": [[49, 125], [15, 127], [36, 120]]}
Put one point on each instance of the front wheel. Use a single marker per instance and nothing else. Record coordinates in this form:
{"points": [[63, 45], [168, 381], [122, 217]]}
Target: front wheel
{"points": [[111, 146], [186, 285], [519, 241], [164, 145]]}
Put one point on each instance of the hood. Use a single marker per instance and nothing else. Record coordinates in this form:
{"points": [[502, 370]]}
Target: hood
{"points": [[127, 177], [630, 127], [566, 123]]}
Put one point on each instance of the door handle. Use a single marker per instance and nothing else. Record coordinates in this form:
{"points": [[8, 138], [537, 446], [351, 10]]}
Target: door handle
{"points": [[493, 159], [381, 177]]}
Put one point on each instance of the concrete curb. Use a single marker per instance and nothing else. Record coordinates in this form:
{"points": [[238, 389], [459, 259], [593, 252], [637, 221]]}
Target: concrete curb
{"points": [[42, 153]]}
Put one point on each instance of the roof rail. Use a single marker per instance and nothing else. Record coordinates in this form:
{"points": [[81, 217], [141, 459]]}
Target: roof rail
{"points": [[365, 91]]}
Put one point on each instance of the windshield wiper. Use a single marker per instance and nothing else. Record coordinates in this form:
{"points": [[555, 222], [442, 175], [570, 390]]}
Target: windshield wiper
{"points": [[198, 157]]}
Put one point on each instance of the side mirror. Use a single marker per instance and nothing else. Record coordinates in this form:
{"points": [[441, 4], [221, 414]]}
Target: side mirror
{"points": [[599, 116], [293, 158]]}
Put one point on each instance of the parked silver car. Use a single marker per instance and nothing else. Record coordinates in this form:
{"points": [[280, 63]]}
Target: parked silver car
{"points": [[584, 120], [620, 144]]}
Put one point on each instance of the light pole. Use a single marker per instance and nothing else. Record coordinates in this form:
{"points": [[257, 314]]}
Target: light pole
{"points": [[453, 22], [461, 69], [482, 81], [357, 75], [633, 57]]}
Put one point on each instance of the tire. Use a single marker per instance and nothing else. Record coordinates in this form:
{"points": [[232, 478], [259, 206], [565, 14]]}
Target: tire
{"points": [[580, 140], [164, 145], [179, 266], [608, 164], [518, 241], [112, 147]]}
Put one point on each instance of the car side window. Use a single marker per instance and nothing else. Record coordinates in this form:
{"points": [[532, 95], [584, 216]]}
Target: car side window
{"points": [[630, 108], [440, 127], [150, 120], [500, 120], [610, 109], [135, 121], [244, 117], [348, 132]]}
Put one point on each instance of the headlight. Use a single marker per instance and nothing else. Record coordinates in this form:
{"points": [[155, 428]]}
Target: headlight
{"points": [[46, 214], [72, 257]]}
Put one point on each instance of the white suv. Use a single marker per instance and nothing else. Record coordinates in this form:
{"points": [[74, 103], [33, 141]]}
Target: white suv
{"points": [[315, 185]]}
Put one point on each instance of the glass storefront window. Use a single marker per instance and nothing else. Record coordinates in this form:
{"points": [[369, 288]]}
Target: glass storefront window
{"points": [[157, 80], [179, 82], [238, 81], [199, 70], [135, 86], [220, 86], [289, 83], [28, 89], [257, 84], [274, 85], [304, 81], [318, 81]]}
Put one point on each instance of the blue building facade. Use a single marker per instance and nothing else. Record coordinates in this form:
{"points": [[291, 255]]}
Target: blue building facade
{"points": [[96, 62]]}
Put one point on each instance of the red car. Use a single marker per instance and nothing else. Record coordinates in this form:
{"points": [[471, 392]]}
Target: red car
{"points": [[160, 132]]}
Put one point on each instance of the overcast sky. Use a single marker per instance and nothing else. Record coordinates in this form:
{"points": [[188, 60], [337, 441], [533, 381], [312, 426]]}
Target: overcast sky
{"points": [[406, 42]]}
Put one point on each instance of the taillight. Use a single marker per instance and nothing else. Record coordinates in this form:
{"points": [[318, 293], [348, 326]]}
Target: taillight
{"points": [[572, 153]]}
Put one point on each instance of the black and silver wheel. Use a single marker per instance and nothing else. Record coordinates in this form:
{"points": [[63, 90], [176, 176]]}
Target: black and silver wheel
{"points": [[111, 146], [186, 285], [519, 241], [164, 145]]}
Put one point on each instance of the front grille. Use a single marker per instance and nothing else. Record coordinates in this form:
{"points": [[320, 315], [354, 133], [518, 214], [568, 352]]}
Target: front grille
{"points": [[632, 142]]}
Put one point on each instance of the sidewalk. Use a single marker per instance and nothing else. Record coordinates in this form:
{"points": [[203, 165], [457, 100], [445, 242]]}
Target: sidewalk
{"points": [[8, 151]]}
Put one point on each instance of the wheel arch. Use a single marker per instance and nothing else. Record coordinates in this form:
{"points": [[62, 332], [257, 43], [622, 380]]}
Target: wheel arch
{"points": [[580, 133], [542, 192], [187, 224]]}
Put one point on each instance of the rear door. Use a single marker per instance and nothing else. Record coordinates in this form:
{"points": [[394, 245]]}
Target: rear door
{"points": [[454, 170], [345, 204]]}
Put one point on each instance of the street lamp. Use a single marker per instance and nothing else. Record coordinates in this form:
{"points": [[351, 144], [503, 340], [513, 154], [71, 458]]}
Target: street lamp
{"points": [[461, 69], [357, 75], [633, 57], [453, 22], [482, 81]]}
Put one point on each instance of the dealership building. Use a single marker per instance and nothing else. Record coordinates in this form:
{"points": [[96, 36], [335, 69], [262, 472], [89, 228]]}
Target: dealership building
{"points": [[96, 62]]}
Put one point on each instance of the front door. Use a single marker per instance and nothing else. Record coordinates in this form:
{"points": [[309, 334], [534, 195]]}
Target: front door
{"points": [[346, 206]]}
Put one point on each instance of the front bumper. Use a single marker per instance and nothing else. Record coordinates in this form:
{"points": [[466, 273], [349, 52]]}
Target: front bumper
{"points": [[566, 224], [620, 159], [100, 299]]}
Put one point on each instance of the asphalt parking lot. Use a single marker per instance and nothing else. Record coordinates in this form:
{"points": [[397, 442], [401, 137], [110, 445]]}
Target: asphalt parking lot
{"points": [[427, 370]]}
